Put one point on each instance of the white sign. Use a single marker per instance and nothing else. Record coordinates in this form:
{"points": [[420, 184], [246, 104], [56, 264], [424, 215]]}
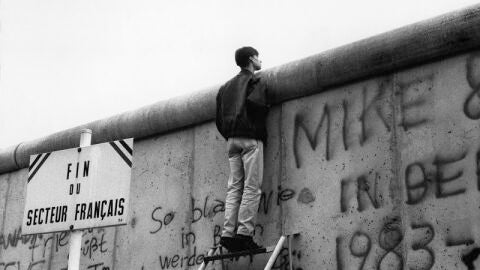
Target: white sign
{"points": [[78, 188]]}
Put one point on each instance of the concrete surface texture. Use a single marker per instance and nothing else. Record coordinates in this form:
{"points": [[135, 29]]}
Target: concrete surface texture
{"points": [[381, 173]]}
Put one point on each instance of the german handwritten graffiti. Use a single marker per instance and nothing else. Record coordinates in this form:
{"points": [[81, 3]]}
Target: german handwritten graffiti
{"points": [[283, 260], [389, 239], [413, 97], [360, 246], [418, 179], [373, 112], [16, 265], [415, 188], [367, 193], [43, 246], [423, 243], [161, 221], [471, 107], [397, 111], [94, 243], [312, 137], [382, 174], [188, 253], [209, 209], [375, 105], [470, 258], [280, 195], [177, 260]]}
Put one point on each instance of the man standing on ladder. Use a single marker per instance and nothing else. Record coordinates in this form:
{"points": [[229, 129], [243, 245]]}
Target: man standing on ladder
{"points": [[241, 114]]}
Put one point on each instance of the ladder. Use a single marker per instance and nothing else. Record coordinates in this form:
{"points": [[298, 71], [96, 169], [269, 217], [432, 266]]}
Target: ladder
{"points": [[213, 256]]}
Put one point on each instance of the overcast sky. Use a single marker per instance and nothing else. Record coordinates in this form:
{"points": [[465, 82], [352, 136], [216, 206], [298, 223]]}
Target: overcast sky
{"points": [[64, 63]]}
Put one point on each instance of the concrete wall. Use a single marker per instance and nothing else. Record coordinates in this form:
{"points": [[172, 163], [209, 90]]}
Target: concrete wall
{"points": [[381, 173], [378, 174]]}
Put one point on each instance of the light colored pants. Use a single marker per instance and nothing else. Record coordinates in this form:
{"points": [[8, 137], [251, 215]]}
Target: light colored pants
{"points": [[243, 190]]}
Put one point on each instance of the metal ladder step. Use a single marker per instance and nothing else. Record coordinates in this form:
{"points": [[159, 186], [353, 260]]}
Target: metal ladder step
{"points": [[237, 254], [275, 249]]}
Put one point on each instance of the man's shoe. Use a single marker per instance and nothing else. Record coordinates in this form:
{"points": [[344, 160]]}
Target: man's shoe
{"points": [[247, 242], [231, 244]]}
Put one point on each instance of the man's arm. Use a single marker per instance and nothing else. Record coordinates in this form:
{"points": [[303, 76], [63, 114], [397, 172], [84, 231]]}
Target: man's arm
{"points": [[218, 116], [258, 95]]}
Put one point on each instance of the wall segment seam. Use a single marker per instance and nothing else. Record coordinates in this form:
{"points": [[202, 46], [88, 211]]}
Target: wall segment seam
{"points": [[15, 156], [5, 204], [396, 187], [191, 183]]}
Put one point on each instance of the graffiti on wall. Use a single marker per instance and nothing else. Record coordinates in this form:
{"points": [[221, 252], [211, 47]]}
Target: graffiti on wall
{"points": [[42, 248], [378, 110], [362, 118], [437, 177], [204, 211]]}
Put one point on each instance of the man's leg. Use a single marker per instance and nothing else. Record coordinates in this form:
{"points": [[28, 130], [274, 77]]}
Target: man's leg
{"points": [[234, 188], [253, 165]]}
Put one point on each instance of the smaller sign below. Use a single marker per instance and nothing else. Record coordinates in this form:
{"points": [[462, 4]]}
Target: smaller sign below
{"points": [[78, 188]]}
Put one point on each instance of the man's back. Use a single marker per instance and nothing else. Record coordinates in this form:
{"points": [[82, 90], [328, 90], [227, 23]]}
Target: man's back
{"points": [[236, 115]]}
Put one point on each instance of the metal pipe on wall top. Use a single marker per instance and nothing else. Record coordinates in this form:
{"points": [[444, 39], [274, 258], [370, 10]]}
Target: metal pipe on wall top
{"points": [[443, 36]]}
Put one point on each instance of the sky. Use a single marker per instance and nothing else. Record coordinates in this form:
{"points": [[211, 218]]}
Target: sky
{"points": [[64, 63]]}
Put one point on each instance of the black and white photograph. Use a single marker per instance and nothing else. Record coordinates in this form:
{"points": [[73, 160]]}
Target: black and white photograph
{"points": [[239, 135]]}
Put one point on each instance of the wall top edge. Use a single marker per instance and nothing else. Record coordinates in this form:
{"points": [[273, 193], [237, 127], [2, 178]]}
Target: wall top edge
{"points": [[437, 38]]}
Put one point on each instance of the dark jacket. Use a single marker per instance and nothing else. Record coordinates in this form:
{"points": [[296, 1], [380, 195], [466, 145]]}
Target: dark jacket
{"points": [[242, 107]]}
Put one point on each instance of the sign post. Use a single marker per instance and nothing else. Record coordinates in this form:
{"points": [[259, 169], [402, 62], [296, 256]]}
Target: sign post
{"points": [[76, 235], [77, 189]]}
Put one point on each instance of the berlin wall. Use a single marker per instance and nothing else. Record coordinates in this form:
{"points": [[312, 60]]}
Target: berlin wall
{"points": [[373, 156]]}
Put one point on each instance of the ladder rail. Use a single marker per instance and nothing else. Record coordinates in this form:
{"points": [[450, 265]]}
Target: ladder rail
{"points": [[290, 252], [275, 253], [271, 261], [210, 253]]}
